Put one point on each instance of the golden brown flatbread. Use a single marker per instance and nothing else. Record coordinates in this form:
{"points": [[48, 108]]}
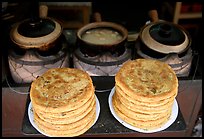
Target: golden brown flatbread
{"points": [[136, 101], [139, 114], [64, 102], [68, 120], [145, 91], [147, 80], [75, 131], [67, 126], [146, 125], [143, 108], [61, 90], [68, 114]]}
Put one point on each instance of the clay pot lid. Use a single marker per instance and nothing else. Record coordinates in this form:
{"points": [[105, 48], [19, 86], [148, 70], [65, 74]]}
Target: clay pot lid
{"points": [[165, 37], [28, 34]]}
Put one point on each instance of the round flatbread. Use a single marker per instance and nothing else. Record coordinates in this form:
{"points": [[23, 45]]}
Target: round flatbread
{"points": [[61, 90], [147, 80], [63, 101], [146, 125], [68, 120], [139, 115], [137, 101], [67, 126], [67, 130], [68, 114], [145, 90], [144, 108]]}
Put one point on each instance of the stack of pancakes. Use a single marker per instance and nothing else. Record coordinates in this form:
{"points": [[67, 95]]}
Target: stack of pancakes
{"points": [[64, 102], [145, 90]]}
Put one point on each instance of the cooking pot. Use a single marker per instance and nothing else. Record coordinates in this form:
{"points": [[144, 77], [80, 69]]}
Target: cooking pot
{"points": [[37, 46], [164, 37], [40, 33], [89, 46]]}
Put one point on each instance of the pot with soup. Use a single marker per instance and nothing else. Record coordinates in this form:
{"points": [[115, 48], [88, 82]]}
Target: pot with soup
{"points": [[100, 37]]}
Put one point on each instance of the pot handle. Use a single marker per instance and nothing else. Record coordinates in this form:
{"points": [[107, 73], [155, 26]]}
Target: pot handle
{"points": [[43, 10], [153, 15], [97, 17]]}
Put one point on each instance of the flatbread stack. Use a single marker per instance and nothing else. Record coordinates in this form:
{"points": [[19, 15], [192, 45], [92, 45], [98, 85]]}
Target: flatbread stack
{"points": [[145, 91], [63, 102]]}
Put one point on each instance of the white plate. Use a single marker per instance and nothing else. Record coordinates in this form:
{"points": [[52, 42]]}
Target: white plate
{"points": [[171, 120], [31, 118]]}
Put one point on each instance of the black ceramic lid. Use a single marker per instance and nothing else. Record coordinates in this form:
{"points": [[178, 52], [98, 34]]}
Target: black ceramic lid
{"points": [[165, 37], [167, 34], [38, 28], [39, 34]]}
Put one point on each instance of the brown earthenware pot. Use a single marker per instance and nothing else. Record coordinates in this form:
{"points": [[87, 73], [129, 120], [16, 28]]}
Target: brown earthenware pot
{"points": [[42, 34], [165, 37], [94, 47]]}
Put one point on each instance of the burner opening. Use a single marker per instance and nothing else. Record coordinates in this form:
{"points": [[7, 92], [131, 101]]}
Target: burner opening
{"points": [[183, 54], [118, 52], [151, 53], [18, 51], [88, 52], [52, 51]]}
